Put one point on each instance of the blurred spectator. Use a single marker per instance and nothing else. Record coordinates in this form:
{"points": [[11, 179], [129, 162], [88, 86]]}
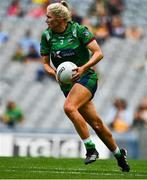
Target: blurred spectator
{"points": [[143, 108], [102, 33], [86, 22], [117, 27], [139, 121], [32, 55], [12, 115], [3, 36], [120, 117], [15, 9], [19, 54], [28, 41], [39, 11], [134, 32], [115, 7], [104, 21], [100, 22], [102, 14]]}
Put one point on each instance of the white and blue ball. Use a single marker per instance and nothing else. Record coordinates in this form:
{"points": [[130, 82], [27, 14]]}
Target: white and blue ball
{"points": [[65, 72]]}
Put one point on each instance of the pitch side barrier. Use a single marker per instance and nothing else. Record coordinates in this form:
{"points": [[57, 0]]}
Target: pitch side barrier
{"points": [[60, 145]]}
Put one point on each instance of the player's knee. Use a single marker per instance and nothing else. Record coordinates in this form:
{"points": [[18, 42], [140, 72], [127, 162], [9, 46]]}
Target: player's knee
{"points": [[68, 108]]}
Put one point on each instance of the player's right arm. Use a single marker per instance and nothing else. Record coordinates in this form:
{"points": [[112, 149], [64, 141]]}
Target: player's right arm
{"points": [[47, 67], [45, 53]]}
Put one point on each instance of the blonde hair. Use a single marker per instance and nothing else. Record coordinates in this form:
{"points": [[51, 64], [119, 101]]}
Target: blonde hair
{"points": [[60, 10]]}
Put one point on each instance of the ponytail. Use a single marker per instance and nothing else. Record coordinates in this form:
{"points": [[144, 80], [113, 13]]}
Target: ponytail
{"points": [[64, 3]]}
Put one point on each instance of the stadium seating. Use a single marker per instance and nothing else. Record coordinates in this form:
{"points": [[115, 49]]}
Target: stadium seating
{"points": [[42, 102]]}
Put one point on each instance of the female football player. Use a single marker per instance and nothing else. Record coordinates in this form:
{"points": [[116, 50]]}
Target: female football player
{"points": [[65, 40]]}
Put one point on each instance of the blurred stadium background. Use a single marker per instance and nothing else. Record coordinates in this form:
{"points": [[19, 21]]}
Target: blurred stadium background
{"points": [[46, 131]]}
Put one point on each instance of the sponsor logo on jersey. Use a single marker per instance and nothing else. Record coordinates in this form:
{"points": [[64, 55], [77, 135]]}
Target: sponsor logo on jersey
{"points": [[64, 53]]}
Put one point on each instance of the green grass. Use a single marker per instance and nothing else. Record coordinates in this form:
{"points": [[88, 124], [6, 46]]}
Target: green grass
{"points": [[51, 168]]}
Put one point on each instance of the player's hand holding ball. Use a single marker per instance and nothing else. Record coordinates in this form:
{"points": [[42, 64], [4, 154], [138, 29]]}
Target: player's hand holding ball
{"points": [[79, 72]]}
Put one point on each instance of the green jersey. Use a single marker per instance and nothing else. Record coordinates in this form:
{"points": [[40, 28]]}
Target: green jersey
{"points": [[67, 46], [14, 115]]}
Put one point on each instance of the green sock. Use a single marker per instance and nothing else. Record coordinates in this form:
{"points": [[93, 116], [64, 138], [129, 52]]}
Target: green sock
{"points": [[117, 152], [89, 145]]}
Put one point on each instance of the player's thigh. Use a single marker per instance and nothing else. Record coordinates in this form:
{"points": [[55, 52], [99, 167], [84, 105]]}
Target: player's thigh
{"points": [[78, 96], [88, 111]]}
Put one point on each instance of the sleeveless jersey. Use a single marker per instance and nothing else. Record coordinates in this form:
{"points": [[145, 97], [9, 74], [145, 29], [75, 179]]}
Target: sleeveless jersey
{"points": [[67, 46]]}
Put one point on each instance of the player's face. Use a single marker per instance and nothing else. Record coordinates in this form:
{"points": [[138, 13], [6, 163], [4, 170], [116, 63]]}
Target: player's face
{"points": [[52, 21]]}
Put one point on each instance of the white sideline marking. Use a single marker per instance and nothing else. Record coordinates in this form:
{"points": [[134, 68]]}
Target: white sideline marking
{"points": [[68, 171]]}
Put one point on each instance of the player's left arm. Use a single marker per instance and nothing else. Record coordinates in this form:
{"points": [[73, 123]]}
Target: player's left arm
{"points": [[97, 55], [88, 40]]}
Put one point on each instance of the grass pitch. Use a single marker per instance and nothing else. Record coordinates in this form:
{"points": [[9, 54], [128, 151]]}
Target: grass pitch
{"points": [[51, 168]]}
